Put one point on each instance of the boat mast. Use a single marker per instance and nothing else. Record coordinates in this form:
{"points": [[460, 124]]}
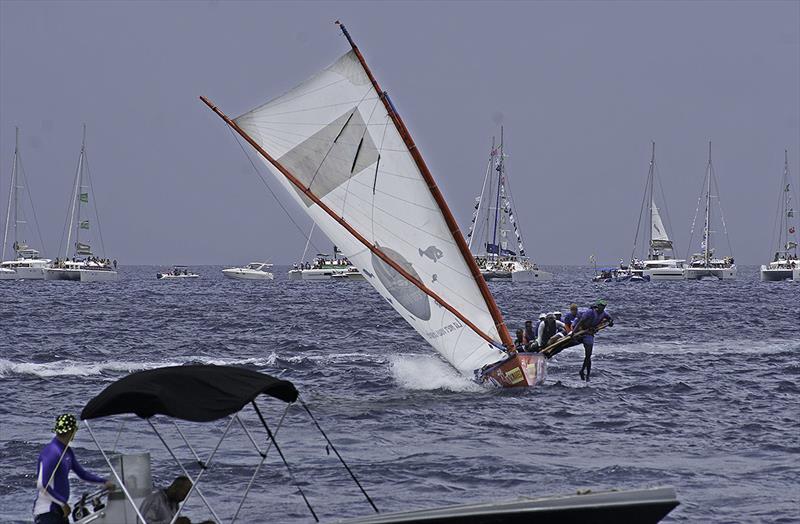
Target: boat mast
{"points": [[707, 230], [75, 196], [12, 191], [650, 180], [477, 216], [492, 154], [497, 200], [450, 220]]}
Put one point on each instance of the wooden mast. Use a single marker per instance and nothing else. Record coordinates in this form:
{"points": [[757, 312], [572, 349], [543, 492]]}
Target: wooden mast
{"points": [[373, 248], [505, 336]]}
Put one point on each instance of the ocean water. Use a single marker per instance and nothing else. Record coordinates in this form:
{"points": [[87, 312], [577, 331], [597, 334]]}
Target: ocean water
{"points": [[697, 386]]}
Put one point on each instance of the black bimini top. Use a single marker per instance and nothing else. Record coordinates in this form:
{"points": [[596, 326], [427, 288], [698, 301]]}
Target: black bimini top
{"points": [[199, 393]]}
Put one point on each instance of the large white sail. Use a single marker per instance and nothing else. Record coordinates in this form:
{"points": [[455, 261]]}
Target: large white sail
{"points": [[334, 134], [658, 233]]}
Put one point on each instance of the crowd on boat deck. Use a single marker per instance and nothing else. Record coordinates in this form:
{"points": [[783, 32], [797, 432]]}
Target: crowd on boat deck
{"points": [[579, 325], [323, 262], [103, 263], [790, 262], [505, 263]]}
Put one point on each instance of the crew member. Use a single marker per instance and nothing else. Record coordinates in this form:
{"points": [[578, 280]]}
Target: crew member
{"points": [[519, 342], [56, 460], [530, 335], [548, 330], [588, 322], [571, 317]]}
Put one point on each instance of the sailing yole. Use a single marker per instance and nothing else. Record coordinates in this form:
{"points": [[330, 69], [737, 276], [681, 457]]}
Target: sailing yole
{"points": [[338, 146]]}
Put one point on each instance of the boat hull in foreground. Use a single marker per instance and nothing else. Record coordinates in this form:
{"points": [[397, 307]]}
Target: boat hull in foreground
{"points": [[636, 506], [520, 370]]}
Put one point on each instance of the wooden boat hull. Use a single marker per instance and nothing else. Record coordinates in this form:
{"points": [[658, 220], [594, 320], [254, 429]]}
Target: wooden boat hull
{"points": [[521, 370]]}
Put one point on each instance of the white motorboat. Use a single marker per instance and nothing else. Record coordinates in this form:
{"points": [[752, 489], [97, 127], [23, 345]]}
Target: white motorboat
{"points": [[27, 265], [493, 221], [252, 271], [705, 265], [785, 264], [659, 262], [176, 273], [83, 265]]}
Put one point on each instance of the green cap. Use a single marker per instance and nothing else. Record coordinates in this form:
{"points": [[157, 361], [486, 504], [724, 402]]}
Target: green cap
{"points": [[65, 423], [600, 302]]}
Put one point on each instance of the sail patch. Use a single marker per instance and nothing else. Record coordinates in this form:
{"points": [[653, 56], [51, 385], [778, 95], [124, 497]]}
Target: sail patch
{"points": [[328, 158], [407, 294]]}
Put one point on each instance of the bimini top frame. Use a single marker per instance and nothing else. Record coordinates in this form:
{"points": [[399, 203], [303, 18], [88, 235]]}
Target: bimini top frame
{"points": [[201, 393]]}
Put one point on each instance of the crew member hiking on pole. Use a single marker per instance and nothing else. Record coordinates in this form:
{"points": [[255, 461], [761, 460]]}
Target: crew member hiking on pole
{"points": [[56, 460], [584, 329]]}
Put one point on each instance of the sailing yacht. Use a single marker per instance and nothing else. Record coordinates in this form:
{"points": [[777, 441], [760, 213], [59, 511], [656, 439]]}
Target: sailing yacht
{"points": [[660, 262], [706, 264], [27, 263], [784, 265], [341, 150], [493, 221], [84, 265]]}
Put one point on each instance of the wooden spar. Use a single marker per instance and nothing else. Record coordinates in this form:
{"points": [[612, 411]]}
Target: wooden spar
{"points": [[373, 248], [505, 336]]}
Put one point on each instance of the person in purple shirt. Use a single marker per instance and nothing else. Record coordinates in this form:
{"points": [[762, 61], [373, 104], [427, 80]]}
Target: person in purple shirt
{"points": [[588, 321], [56, 460]]}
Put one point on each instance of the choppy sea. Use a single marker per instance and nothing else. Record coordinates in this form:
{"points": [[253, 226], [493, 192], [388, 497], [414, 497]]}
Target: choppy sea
{"points": [[697, 386]]}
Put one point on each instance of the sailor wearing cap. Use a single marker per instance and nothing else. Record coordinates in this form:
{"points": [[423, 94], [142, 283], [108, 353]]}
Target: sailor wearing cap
{"points": [[56, 460], [549, 330], [588, 322]]}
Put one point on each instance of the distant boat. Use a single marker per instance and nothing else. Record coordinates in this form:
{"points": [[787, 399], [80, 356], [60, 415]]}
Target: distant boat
{"points": [[176, 272], [340, 149], [660, 262], [27, 264], [706, 264], [500, 256], [252, 271], [324, 267], [83, 265], [784, 265]]}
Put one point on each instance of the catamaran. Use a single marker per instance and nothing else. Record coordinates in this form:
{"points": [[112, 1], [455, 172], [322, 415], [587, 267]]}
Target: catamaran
{"points": [[784, 265], [84, 265], [705, 264], [324, 267], [493, 219], [659, 263], [27, 264], [339, 147]]}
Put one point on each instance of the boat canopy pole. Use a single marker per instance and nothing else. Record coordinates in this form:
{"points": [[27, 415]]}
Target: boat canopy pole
{"points": [[358, 236], [502, 330]]}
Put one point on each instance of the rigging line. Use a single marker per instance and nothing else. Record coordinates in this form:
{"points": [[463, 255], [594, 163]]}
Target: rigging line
{"points": [[258, 173], [721, 212], [641, 212], [33, 208], [516, 222], [308, 241], [283, 458], [276, 133], [666, 209], [94, 204], [65, 231], [352, 475], [8, 208], [275, 102], [694, 220]]}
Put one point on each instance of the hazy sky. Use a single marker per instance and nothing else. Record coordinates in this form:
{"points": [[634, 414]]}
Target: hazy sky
{"points": [[581, 88]]}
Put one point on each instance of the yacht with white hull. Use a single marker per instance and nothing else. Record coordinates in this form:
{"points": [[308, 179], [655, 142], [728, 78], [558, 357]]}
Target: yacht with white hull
{"points": [[493, 219], [324, 267], [660, 262], [83, 265], [252, 271], [705, 265], [27, 264], [784, 265]]}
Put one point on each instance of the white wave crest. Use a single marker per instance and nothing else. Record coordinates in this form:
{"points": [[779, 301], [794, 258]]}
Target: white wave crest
{"points": [[429, 373]]}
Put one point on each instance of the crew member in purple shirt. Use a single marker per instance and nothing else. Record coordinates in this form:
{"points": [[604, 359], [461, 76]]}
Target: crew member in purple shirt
{"points": [[56, 460], [589, 321]]}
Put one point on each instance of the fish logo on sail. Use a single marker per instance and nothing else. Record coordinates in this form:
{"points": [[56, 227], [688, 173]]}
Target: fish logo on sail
{"points": [[407, 294], [432, 252]]}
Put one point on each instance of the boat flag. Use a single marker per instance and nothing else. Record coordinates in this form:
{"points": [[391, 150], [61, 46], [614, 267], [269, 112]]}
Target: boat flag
{"points": [[84, 197], [84, 224]]}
